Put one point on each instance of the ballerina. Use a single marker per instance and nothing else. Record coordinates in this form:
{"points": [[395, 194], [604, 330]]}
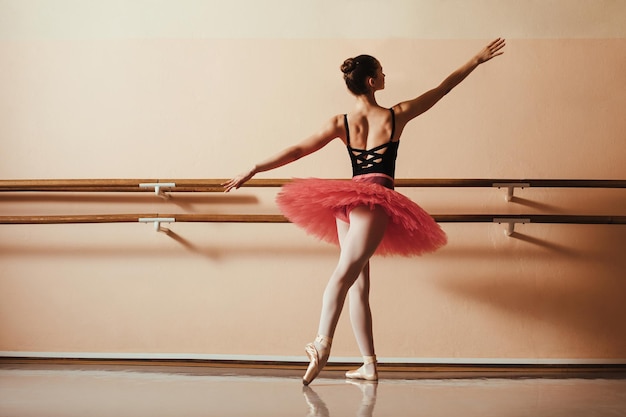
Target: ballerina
{"points": [[364, 216]]}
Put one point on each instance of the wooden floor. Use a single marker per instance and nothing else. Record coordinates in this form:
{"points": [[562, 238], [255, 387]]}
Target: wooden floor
{"points": [[186, 389]]}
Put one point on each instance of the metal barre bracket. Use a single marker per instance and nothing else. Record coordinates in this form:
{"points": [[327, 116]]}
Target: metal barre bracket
{"points": [[510, 186], [510, 223], [157, 222], [158, 187]]}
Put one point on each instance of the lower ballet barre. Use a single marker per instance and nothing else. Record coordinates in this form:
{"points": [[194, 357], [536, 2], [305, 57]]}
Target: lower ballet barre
{"points": [[158, 219], [278, 218]]}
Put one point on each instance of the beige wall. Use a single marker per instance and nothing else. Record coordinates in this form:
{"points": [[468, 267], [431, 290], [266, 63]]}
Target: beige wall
{"points": [[145, 90]]}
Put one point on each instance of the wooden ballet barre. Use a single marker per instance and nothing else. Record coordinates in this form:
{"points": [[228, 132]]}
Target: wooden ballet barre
{"points": [[529, 218], [213, 185], [133, 218], [129, 185], [278, 218]]}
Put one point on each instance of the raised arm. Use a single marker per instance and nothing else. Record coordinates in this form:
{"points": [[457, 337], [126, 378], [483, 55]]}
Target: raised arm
{"points": [[408, 110], [331, 130]]}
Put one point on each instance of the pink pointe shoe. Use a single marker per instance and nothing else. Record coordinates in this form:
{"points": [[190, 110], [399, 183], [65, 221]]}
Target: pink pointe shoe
{"points": [[317, 357], [361, 374]]}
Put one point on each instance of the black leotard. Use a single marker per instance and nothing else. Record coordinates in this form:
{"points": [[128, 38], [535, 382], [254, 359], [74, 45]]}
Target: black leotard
{"points": [[379, 160]]}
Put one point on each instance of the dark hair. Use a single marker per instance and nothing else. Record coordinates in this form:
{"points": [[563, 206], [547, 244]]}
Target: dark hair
{"points": [[357, 70]]}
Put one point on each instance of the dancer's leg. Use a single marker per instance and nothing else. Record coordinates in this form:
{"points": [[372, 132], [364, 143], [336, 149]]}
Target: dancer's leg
{"points": [[366, 230], [360, 312], [361, 318]]}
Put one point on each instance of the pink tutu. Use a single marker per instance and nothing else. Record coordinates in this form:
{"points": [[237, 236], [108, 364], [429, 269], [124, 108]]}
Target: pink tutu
{"points": [[314, 204]]}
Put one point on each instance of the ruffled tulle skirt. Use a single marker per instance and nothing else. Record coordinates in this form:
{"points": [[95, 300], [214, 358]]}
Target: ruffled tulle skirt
{"points": [[314, 204]]}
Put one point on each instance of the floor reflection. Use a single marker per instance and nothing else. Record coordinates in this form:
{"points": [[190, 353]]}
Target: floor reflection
{"points": [[318, 408], [225, 392]]}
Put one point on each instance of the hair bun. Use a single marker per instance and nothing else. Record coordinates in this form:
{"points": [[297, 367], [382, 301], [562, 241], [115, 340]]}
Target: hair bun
{"points": [[348, 65]]}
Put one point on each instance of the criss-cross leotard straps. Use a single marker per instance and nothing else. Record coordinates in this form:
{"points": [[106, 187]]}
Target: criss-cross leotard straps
{"points": [[380, 159]]}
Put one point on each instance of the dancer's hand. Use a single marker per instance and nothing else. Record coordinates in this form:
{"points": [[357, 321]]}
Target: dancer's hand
{"points": [[490, 51], [238, 181]]}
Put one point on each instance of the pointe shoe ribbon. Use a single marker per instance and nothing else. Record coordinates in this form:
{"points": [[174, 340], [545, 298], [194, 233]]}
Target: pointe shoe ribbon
{"points": [[317, 358], [361, 374]]}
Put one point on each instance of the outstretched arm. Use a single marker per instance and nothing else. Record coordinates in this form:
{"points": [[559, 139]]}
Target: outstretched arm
{"points": [[331, 130], [413, 108]]}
